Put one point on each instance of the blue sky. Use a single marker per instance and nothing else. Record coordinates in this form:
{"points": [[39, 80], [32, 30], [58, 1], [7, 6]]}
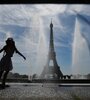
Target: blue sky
{"points": [[29, 26]]}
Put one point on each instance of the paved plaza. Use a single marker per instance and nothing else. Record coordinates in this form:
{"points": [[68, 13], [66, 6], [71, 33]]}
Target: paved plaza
{"points": [[44, 91]]}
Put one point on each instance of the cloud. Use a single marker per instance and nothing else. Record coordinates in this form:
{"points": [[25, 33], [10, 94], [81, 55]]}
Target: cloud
{"points": [[34, 21], [33, 42], [83, 8]]}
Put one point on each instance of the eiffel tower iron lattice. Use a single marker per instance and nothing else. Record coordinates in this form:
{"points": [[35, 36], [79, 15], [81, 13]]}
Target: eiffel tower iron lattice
{"points": [[53, 70]]}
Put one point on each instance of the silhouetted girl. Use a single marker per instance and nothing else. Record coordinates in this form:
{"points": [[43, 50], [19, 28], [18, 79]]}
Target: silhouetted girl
{"points": [[6, 62]]}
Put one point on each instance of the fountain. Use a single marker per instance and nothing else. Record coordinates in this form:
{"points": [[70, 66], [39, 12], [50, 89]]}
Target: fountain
{"points": [[37, 47], [80, 52]]}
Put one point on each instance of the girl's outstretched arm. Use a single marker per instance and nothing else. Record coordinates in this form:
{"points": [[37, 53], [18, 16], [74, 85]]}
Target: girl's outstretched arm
{"points": [[2, 49], [20, 54]]}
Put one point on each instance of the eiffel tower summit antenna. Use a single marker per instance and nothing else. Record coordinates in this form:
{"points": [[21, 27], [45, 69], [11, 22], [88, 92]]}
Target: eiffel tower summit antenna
{"points": [[51, 22], [51, 70]]}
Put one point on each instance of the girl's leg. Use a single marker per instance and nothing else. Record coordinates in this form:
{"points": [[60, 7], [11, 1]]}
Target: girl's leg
{"points": [[1, 72], [4, 79]]}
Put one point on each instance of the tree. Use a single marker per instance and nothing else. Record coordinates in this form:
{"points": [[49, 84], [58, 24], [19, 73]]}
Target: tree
{"points": [[34, 76], [16, 75], [88, 76]]}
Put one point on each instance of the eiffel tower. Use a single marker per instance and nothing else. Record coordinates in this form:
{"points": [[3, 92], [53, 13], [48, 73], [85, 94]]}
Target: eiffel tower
{"points": [[52, 70]]}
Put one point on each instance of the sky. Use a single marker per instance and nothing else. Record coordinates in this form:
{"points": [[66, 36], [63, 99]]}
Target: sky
{"points": [[29, 25]]}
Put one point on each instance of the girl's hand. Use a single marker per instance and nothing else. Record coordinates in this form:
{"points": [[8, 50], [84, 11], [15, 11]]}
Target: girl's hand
{"points": [[24, 58]]}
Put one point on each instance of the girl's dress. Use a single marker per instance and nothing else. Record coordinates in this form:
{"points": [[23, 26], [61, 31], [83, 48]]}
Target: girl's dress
{"points": [[6, 62]]}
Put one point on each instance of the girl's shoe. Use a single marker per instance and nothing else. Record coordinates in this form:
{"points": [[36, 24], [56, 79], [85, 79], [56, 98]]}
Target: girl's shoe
{"points": [[3, 86]]}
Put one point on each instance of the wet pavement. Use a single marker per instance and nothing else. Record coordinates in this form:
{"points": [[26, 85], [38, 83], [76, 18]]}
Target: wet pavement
{"points": [[45, 91]]}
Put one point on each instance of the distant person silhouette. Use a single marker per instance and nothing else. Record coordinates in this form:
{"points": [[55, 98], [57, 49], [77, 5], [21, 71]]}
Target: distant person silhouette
{"points": [[6, 62]]}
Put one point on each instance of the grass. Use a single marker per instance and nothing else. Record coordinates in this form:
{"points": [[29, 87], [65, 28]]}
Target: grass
{"points": [[75, 97]]}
